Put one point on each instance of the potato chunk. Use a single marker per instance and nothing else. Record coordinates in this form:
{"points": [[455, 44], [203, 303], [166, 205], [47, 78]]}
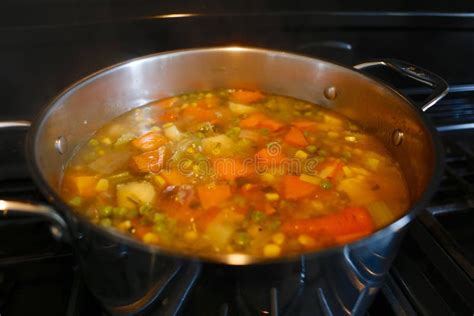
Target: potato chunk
{"points": [[134, 194]]}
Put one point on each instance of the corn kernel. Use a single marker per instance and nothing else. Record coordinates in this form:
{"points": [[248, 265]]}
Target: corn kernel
{"points": [[306, 241], [350, 138], [151, 238], [159, 180], [106, 141], [278, 238], [268, 177], [124, 225], [93, 142], [102, 185], [301, 154], [271, 250], [101, 152], [272, 196], [191, 235]]}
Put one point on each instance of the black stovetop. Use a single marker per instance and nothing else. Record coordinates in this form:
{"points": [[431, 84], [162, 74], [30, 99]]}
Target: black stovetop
{"points": [[41, 53]]}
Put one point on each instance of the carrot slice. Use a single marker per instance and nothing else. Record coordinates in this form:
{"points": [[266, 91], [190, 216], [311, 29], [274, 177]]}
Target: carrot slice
{"points": [[295, 137], [229, 168], [149, 141], [269, 209], [211, 196], [150, 161], [270, 157], [344, 239], [209, 102], [168, 116], [174, 177], [246, 96], [195, 113], [260, 120], [82, 185], [293, 188], [331, 169], [354, 221]]}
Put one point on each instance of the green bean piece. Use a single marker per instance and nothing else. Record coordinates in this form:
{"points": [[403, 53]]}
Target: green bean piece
{"points": [[105, 211]]}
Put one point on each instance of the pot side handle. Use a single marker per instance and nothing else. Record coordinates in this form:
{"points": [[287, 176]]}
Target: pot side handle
{"points": [[59, 228], [13, 124], [438, 84]]}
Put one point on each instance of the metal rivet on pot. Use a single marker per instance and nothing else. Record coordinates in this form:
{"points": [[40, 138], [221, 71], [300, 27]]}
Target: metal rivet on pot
{"points": [[397, 137], [330, 93], [61, 144]]}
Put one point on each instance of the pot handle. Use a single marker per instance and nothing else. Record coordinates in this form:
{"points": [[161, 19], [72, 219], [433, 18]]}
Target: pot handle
{"points": [[59, 228], [438, 84], [13, 124]]}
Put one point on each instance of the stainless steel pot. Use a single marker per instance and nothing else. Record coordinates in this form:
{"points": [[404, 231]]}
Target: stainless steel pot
{"points": [[129, 277]]}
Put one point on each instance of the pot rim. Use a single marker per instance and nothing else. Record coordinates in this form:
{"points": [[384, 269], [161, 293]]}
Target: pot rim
{"points": [[229, 259]]}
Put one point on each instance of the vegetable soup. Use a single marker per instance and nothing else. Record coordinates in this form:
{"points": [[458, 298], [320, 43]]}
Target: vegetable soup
{"points": [[235, 171]]}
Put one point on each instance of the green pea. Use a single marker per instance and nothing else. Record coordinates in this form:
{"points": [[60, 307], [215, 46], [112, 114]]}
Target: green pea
{"points": [[311, 149], [132, 213], [325, 184], [257, 216], [159, 227], [75, 201], [159, 217], [105, 222], [105, 211], [264, 131], [274, 224], [93, 142], [242, 239], [145, 209], [346, 154], [119, 211]]}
